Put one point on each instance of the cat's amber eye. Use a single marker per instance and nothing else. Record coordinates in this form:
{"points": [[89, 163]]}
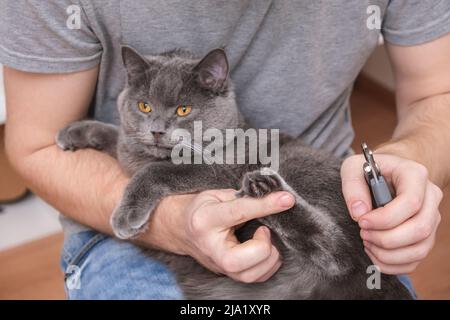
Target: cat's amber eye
{"points": [[183, 110], [145, 107]]}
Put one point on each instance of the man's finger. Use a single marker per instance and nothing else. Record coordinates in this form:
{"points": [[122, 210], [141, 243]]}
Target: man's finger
{"points": [[241, 210], [392, 269], [223, 194], [271, 272], [410, 254], [262, 270], [416, 229], [354, 187], [248, 254], [409, 200]]}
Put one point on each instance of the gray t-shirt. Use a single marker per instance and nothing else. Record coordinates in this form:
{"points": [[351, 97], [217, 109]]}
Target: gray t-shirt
{"points": [[293, 62]]}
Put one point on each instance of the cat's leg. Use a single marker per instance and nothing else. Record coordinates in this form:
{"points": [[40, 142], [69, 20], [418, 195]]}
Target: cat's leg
{"points": [[138, 201], [152, 183], [256, 184], [307, 230], [88, 134]]}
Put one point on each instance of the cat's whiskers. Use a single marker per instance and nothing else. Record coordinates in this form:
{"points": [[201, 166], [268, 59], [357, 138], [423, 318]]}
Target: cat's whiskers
{"points": [[198, 149]]}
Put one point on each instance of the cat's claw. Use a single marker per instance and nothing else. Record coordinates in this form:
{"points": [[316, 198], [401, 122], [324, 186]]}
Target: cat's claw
{"points": [[259, 183], [65, 139], [79, 135], [122, 227]]}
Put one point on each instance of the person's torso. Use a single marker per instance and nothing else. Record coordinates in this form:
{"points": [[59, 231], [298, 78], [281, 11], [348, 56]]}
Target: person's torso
{"points": [[293, 63]]}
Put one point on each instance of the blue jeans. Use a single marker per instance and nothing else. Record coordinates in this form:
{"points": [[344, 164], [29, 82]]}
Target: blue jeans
{"points": [[97, 266], [100, 267]]}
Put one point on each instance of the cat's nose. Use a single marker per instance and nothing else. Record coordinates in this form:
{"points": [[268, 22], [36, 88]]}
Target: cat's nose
{"points": [[157, 134]]}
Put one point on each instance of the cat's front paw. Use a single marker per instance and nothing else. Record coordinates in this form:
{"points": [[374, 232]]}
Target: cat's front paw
{"points": [[259, 183], [128, 222], [80, 135]]}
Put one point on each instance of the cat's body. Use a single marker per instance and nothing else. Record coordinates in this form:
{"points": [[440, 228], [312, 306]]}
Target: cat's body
{"points": [[323, 257]]}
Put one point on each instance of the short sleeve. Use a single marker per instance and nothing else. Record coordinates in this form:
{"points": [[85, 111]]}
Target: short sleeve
{"points": [[412, 22], [47, 36]]}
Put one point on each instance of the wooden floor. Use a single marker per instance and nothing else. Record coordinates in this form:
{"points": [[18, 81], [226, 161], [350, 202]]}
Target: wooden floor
{"points": [[32, 270]]}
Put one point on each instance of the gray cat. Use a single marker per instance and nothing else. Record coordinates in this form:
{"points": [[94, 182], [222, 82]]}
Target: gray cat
{"points": [[323, 257]]}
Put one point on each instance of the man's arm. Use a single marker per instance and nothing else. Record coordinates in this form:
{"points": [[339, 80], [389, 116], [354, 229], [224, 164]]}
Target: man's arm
{"points": [[400, 235], [87, 185], [422, 76], [82, 185]]}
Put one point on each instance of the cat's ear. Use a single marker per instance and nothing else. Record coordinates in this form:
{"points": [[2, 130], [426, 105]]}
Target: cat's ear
{"points": [[212, 70], [134, 63]]}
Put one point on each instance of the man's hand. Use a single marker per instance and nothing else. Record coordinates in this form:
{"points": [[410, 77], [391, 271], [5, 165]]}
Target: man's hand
{"points": [[203, 225], [399, 235]]}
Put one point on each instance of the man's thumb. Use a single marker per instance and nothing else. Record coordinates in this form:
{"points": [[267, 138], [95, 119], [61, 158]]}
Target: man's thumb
{"points": [[354, 187]]}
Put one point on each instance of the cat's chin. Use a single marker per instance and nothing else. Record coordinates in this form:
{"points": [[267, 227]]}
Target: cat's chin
{"points": [[160, 152]]}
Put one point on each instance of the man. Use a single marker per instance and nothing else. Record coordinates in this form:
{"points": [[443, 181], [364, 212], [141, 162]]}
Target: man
{"points": [[293, 64]]}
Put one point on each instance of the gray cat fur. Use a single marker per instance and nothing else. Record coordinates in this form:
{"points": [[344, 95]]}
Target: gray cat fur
{"points": [[323, 257]]}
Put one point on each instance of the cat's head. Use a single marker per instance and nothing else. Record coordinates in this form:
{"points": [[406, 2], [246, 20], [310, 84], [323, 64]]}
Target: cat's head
{"points": [[171, 91]]}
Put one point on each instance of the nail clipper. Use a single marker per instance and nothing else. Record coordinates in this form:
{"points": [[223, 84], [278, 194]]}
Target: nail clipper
{"points": [[381, 194]]}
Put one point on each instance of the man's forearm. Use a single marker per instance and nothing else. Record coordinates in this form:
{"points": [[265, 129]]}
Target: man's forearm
{"points": [[85, 185], [423, 135]]}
